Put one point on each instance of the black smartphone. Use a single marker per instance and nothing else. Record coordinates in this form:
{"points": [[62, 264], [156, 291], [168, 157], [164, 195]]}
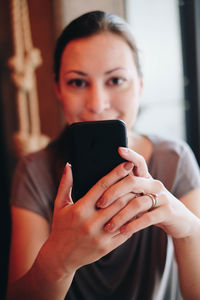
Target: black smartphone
{"points": [[93, 152]]}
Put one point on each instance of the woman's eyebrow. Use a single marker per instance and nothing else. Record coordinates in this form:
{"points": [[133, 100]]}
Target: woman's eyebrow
{"points": [[85, 74], [115, 69], [77, 72]]}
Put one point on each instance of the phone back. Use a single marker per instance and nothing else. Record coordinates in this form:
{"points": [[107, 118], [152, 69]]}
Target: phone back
{"points": [[93, 152]]}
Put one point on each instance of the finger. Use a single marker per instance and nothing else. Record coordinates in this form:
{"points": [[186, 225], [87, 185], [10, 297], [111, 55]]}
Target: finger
{"points": [[116, 191], [107, 181], [140, 166], [63, 197], [136, 207], [134, 184], [139, 185], [145, 185], [152, 217], [105, 215]]}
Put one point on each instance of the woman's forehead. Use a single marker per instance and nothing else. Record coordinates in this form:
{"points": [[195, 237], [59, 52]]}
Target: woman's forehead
{"points": [[100, 48]]}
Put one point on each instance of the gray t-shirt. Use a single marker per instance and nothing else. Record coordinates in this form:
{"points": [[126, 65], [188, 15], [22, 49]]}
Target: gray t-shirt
{"points": [[144, 266]]}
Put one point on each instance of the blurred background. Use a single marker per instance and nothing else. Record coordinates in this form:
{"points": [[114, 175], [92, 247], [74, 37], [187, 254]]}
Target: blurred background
{"points": [[168, 38]]}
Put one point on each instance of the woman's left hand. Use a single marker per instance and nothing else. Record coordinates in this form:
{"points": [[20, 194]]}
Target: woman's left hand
{"points": [[169, 213]]}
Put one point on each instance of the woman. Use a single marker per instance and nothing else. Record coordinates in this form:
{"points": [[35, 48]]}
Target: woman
{"points": [[104, 246]]}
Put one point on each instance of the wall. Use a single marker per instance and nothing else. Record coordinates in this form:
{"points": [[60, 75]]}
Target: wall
{"points": [[41, 18], [42, 25], [156, 28]]}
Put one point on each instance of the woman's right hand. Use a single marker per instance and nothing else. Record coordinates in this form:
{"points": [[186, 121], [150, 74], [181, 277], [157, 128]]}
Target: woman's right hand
{"points": [[78, 237]]}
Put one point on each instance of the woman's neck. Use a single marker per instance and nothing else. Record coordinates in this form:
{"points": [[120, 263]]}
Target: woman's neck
{"points": [[140, 144]]}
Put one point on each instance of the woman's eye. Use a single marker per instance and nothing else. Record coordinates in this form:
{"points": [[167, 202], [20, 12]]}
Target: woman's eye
{"points": [[115, 81], [77, 83]]}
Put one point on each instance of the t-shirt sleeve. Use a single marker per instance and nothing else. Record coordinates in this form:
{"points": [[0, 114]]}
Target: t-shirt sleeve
{"points": [[32, 187], [187, 173]]}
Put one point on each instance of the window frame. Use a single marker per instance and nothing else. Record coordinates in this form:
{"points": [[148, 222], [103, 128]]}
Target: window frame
{"points": [[190, 36]]}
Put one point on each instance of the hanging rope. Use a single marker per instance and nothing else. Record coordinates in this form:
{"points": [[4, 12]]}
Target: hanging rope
{"points": [[24, 63]]}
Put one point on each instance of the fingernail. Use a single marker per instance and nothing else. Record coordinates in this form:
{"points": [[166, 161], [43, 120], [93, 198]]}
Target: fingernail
{"points": [[101, 204], [65, 169], [124, 150], [109, 227], [128, 166], [123, 229]]}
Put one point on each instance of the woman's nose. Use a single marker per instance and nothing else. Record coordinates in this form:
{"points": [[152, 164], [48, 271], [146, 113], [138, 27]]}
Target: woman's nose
{"points": [[97, 99]]}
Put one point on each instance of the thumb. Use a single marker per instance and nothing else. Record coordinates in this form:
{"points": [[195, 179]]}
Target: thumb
{"points": [[63, 197]]}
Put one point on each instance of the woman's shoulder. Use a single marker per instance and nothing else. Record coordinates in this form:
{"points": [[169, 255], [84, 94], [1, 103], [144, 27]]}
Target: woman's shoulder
{"points": [[47, 156], [168, 146], [34, 160], [172, 161], [34, 184]]}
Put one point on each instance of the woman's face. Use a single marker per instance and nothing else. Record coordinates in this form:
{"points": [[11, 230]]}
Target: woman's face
{"points": [[98, 80]]}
